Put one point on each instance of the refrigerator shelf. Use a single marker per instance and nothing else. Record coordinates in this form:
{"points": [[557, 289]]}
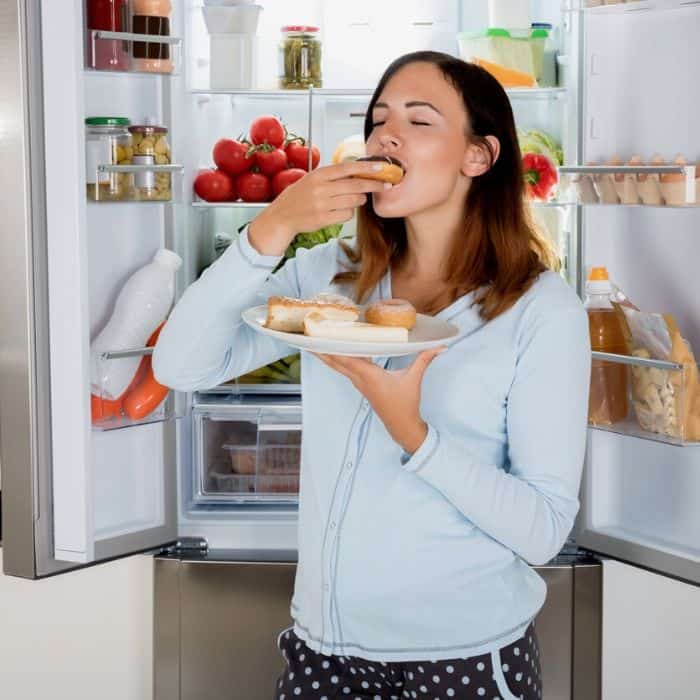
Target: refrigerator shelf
{"points": [[631, 428], [635, 6], [660, 398], [112, 52], [631, 185], [199, 204], [113, 414], [547, 93], [129, 182]]}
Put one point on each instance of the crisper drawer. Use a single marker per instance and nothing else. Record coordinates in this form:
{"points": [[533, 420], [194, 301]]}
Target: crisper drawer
{"points": [[247, 453]]}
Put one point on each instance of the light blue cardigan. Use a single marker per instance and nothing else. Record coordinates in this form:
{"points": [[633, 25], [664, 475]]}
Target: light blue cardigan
{"points": [[421, 557]]}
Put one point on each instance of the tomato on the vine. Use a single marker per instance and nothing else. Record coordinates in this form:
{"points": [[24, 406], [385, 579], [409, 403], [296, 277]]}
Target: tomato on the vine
{"points": [[285, 178], [232, 156], [214, 186], [298, 154], [270, 160], [253, 187], [268, 129]]}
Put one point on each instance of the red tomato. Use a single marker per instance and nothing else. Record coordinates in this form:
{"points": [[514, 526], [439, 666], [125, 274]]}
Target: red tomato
{"points": [[254, 187], [214, 186], [270, 160], [230, 156], [267, 129], [298, 155], [285, 178]]}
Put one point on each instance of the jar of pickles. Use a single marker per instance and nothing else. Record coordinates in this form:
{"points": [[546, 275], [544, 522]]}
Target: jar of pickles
{"points": [[300, 58], [150, 147], [107, 142]]}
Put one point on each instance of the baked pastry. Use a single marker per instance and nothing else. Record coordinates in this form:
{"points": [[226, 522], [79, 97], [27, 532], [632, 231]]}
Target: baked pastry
{"points": [[393, 170], [287, 314], [321, 324], [391, 312]]}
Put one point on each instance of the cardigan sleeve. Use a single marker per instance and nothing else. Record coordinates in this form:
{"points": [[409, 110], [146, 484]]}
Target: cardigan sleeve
{"points": [[530, 505]]}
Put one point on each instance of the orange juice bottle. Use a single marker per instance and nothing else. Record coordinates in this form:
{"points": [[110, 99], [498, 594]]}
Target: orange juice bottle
{"points": [[608, 395]]}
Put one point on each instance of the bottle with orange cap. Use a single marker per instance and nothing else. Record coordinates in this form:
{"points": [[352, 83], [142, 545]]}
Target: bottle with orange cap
{"points": [[608, 395]]}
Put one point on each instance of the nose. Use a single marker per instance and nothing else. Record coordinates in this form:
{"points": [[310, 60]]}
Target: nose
{"points": [[389, 141]]}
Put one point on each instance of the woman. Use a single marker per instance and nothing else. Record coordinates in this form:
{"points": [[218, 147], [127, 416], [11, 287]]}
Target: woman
{"points": [[427, 486]]}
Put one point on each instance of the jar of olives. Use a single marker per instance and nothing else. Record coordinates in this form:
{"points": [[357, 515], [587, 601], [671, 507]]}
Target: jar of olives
{"points": [[107, 142], [150, 147], [300, 58]]}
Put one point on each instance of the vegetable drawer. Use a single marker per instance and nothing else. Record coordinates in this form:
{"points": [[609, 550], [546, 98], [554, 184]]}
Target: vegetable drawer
{"points": [[248, 451]]}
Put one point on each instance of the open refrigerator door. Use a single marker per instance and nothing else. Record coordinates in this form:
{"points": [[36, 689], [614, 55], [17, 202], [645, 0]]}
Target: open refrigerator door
{"points": [[636, 181]]}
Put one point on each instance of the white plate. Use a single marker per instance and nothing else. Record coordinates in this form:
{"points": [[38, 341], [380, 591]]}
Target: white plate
{"points": [[429, 332]]}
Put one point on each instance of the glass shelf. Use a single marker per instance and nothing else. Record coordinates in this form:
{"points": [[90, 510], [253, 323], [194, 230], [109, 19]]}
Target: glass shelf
{"points": [[260, 205], [112, 53], [629, 7], [514, 93]]}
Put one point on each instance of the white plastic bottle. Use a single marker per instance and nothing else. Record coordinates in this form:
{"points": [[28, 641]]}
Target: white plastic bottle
{"points": [[143, 303]]}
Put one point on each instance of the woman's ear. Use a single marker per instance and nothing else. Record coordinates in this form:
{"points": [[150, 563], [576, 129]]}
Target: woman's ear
{"points": [[478, 159]]}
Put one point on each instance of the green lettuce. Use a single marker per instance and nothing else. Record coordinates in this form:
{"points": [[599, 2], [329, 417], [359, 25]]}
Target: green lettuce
{"points": [[536, 141]]}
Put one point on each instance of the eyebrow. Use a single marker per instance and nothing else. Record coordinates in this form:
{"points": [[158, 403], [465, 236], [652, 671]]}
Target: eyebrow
{"points": [[413, 103]]}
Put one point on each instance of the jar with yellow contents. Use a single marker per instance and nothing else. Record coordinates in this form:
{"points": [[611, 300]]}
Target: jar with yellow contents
{"points": [[150, 147], [108, 142]]}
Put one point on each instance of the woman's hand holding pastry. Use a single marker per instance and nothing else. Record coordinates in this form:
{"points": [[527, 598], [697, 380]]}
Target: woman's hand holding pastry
{"points": [[393, 394], [325, 196]]}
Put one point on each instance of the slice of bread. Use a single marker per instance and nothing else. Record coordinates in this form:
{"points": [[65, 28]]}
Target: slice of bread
{"points": [[287, 314], [323, 325]]}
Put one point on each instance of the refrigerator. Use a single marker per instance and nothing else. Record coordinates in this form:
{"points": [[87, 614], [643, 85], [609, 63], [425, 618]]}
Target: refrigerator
{"points": [[208, 482]]}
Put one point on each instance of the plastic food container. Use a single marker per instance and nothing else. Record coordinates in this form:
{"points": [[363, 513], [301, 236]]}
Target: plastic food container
{"points": [[108, 142], [243, 458], [300, 58], [150, 146], [233, 483], [524, 53], [232, 19]]}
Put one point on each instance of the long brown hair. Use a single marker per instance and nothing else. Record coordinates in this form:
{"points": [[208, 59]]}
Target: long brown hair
{"points": [[501, 253]]}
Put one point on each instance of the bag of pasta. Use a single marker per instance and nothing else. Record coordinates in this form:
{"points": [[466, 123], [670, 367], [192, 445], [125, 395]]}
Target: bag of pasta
{"points": [[664, 401]]}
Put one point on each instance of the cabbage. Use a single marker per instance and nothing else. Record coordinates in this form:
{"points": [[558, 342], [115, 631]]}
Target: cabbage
{"points": [[536, 141]]}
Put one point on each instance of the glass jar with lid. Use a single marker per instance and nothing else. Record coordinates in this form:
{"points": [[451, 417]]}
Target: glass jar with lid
{"points": [[150, 147], [108, 142], [300, 58]]}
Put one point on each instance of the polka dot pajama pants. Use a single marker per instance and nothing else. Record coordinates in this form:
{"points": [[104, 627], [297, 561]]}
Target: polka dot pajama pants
{"points": [[511, 673]]}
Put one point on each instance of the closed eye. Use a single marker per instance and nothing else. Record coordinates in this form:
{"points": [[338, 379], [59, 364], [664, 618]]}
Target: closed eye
{"points": [[376, 124]]}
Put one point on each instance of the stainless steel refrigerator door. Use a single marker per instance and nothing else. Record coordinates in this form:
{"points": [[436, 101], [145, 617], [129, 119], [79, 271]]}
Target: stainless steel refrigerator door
{"points": [[217, 620], [39, 195]]}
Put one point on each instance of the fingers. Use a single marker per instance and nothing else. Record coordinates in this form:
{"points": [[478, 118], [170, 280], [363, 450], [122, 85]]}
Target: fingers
{"points": [[355, 185], [348, 201], [420, 364], [349, 169], [354, 368]]}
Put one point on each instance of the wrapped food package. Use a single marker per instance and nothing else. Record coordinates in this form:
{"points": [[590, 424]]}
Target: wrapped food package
{"points": [[665, 402]]}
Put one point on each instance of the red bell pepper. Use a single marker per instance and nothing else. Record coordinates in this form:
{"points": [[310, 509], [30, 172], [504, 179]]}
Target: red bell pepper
{"points": [[540, 176]]}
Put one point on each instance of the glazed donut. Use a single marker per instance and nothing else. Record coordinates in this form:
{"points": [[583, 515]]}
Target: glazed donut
{"points": [[391, 312], [392, 171]]}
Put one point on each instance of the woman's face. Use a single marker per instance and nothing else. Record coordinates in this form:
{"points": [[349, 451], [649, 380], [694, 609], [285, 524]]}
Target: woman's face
{"points": [[419, 118]]}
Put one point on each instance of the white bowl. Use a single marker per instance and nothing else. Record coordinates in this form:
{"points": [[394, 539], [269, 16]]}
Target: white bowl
{"points": [[232, 19]]}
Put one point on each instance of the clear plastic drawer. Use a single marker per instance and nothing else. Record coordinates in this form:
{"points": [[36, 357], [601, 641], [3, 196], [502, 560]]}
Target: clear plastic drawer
{"points": [[247, 452]]}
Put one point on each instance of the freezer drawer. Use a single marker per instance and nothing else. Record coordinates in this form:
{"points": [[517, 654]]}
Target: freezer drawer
{"points": [[248, 452], [217, 619]]}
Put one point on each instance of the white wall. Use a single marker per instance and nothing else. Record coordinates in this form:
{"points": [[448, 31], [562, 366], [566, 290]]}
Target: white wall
{"points": [[78, 636], [651, 635]]}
